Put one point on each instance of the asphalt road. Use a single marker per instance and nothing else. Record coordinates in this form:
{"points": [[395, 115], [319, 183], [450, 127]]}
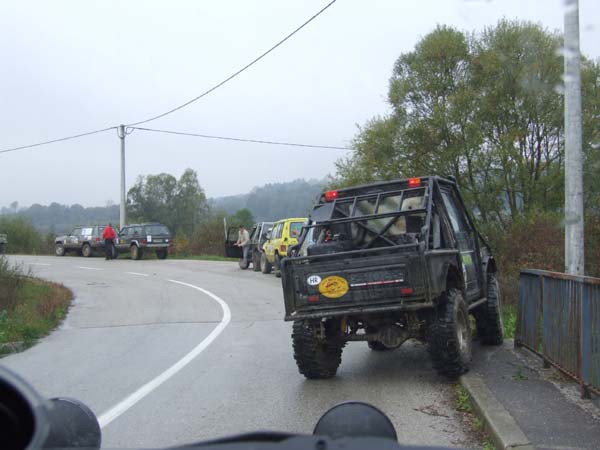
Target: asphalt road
{"points": [[132, 321]]}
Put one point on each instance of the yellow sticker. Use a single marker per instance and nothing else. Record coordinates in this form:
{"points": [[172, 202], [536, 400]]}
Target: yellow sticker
{"points": [[333, 287]]}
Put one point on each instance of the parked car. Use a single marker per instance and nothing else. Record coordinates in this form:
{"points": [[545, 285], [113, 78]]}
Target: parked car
{"points": [[385, 263], [285, 234], [140, 238], [258, 236], [3, 242], [84, 240]]}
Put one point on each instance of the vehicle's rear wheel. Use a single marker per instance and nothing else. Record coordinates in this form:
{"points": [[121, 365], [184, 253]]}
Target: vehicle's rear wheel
{"points": [[86, 250], [59, 250], [161, 254], [449, 336], [488, 317], [277, 265], [135, 251], [316, 358], [256, 261], [265, 265], [378, 346]]}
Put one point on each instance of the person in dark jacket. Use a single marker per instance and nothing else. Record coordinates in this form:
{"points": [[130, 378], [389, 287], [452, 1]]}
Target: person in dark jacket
{"points": [[109, 236]]}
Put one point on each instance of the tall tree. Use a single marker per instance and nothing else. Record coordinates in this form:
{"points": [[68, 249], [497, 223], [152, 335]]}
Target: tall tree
{"points": [[162, 198], [485, 108]]}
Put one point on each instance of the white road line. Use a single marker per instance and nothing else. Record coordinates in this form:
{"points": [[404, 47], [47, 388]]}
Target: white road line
{"points": [[39, 264], [138, 274], [89, 268], [147, 388]]}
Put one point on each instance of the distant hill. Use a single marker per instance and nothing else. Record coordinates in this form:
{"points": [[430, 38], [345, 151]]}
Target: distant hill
{"points": [[269, 202], [273, 201], [59, 219]]}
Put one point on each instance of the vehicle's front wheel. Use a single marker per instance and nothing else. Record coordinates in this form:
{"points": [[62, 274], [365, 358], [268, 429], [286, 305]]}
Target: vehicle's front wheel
{"points": [[135, 251], [256, 261], [265, 265], [86, 250], [161, 254], [59, 250], [316, 358], [488, 317], [449, 337]]}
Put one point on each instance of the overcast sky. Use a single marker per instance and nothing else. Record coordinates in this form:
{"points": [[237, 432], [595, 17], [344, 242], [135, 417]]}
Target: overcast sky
{"points": [[75, 66]]}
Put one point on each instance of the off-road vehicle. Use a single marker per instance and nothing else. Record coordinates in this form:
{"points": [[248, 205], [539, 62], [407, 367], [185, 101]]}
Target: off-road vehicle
{"points": [[140, 238], [84, 240], [3, 243], [285, 234], [258, 236], [387, 262]]}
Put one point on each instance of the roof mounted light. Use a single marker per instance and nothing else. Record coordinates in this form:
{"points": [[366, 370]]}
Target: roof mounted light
{"points": [[331, 196], [414, 182]]}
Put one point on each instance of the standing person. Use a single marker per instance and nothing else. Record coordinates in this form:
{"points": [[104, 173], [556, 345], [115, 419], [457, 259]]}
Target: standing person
{"points": [[243, 241], [109, 236]]}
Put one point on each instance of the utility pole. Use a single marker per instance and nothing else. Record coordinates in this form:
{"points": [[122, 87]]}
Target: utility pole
{"points": [[574, 218], [121, 134]]}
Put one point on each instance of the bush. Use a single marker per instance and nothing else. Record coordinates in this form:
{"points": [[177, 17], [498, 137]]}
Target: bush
{"points": [[209, 237], [22, 236], [11, 280], [537, 242], [182, 245]]}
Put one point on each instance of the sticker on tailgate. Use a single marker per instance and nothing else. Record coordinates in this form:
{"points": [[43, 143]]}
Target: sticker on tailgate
{"points": [[333, 287], [313, 280]]}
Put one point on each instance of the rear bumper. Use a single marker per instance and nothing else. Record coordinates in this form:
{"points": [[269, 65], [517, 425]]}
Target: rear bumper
{"points": [[357, 310]]}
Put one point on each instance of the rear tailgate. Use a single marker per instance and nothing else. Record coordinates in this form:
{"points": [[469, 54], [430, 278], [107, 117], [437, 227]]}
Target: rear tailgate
{"points": [[341, 286]]}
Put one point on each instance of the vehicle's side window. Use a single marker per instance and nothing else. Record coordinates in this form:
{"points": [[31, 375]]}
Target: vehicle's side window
{"points": [[456, 218], [76, 232], [278, 231], [87, 231]]}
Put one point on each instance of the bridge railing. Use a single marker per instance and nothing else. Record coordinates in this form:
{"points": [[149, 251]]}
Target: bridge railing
{"points": [[559, 319]]}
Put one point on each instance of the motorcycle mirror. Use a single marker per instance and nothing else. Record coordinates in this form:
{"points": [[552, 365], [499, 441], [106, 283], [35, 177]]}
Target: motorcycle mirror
{"points": [[355, 419], [23, 415], [72, 425]]}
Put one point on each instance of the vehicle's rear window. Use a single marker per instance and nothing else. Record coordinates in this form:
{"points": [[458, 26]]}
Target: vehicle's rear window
{"points": [[156, 229]]}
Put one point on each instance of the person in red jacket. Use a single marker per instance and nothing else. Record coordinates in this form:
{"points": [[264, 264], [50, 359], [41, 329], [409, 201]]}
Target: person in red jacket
{"points": [[109, 236]]}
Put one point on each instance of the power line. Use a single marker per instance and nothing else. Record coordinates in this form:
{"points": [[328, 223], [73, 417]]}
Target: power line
{"points": [[254, 61], [23, 147], [255, 141]]}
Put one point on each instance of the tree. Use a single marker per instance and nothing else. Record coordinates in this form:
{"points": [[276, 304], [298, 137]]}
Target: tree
{"points": [[487, 109], [242, 217], [162, 198]]}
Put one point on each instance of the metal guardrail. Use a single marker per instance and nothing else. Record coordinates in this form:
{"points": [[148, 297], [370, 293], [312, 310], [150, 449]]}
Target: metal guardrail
{"points": [[559, 319]]}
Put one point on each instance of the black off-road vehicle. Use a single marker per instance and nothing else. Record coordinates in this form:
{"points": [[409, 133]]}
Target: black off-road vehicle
{"points": [[141, 238], [387, 262]]}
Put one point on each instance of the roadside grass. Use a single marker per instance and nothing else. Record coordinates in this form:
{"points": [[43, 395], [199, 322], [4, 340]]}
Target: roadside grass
{"points": [[29, 308], [509, 317], [464, 406]]}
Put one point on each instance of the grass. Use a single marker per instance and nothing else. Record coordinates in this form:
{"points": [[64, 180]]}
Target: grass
{"points": [[509, 317], [465, 406], [36, 307]]}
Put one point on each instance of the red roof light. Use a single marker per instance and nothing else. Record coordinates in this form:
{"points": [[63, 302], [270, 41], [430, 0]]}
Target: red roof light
{"points": [[331, 196], [414, 182]]}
